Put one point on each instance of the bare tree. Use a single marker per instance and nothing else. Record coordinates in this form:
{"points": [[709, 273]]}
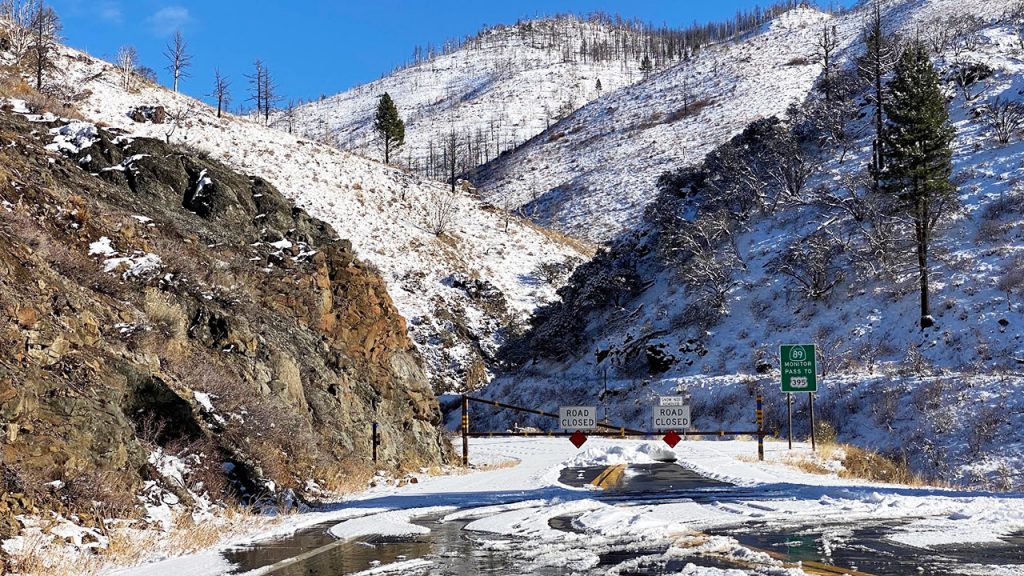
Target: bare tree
{"points": [[179, 118], [790, 166], [441, 209], [452, 153], [878, 60], [705, 257], [828, 43], [178, 58], [1011, 281], [812, 264], [1004, 116], [45, 26], [256, 84], [221, 91], [18, 14], [966, 75], [127, 62], [270, 96], [290, 116]]}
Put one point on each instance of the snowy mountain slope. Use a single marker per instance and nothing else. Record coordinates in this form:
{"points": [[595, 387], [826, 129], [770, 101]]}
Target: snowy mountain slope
{"points": [[503, 88], [593, 173], [948, 399], [458, 291]]}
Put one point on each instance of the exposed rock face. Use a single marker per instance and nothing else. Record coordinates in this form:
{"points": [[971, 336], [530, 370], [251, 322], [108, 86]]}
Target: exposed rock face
{"points": [[152, 298]]}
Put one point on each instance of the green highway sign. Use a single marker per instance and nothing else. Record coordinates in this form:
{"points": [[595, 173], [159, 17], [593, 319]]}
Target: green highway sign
{"points": [[799, 368]]}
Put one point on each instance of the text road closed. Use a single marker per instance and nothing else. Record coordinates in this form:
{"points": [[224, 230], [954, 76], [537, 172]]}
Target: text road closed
{"points": [[577, 417], [671, 418]]}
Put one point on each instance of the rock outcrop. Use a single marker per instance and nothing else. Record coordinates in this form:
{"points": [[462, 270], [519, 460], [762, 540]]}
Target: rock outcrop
{"points": [[154, 301]]}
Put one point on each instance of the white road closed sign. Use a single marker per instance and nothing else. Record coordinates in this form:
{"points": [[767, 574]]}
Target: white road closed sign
{"points": [[666, 418], [577, 417]]}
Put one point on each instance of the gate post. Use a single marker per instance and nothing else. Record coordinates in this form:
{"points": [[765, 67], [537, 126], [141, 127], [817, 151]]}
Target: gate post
{"points": [[760, 428], [374, 439], [375, 442], [465, 430]]}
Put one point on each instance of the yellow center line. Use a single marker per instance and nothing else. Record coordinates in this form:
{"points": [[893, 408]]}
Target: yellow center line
{"points": [[610, 476]]}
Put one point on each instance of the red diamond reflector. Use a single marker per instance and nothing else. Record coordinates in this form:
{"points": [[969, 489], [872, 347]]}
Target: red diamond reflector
{"points": [[672, 439], [578, 438]]}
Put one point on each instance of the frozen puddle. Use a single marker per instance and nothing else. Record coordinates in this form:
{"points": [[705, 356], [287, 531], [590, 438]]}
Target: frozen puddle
{"points": [[448, 549], [868, 549]]}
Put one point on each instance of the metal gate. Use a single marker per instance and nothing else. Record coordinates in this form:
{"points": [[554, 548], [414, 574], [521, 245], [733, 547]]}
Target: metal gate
{"points": [[608, 430]]}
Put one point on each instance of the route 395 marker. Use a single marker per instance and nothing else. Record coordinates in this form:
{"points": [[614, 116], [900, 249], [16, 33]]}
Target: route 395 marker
{"points": [[799, 368]]}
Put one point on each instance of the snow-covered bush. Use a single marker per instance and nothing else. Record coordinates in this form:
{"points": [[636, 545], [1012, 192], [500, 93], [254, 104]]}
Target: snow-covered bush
{"points": [[813, 266], [1004, 117]]}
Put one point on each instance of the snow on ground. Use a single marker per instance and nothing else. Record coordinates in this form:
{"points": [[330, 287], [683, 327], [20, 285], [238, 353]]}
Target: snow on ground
{"points": [[519, 502], [594, 172], [504, 88], [385, 212], [948, 399]]}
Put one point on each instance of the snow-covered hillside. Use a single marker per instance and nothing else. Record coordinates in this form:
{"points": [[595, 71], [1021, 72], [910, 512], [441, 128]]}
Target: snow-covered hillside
{"points": [[499, 90], [947, 398], [458, 290], [593, 173]]}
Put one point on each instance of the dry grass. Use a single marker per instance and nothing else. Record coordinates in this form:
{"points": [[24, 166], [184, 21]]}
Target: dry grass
{"points": [[860, 464], [581, 246], [13, 86], [344, 477], [45, 555]]}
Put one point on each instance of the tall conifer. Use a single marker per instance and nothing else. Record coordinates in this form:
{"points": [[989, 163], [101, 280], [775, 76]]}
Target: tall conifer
{"points": [[919, 162]]}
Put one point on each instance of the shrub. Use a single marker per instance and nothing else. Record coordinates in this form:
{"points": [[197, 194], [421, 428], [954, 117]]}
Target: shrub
{"points": [[814, 264]]}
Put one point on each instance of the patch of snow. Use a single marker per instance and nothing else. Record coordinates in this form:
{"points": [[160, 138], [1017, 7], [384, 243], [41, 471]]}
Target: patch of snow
{"points": [[73, 137], [102, 247]]}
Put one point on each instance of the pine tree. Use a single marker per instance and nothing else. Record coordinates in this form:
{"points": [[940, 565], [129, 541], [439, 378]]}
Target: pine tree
{"points": [[598, 86], [389, 126], [919, 162], [645, 66]]}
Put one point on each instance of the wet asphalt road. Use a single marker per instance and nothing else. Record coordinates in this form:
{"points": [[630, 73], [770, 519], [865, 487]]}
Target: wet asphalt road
{"points": [[864, 551]]}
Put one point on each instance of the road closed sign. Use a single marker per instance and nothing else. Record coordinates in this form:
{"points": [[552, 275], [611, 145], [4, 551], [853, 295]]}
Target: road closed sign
{"points": [[664, 418], [798, 366], [577, 417]]}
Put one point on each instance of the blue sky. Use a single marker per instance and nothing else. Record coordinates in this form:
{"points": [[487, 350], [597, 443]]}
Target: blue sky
{"points": [[318, 48]]}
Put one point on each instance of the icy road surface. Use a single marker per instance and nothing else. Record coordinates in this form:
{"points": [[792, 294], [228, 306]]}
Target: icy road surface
{"points": [[716, 511]]}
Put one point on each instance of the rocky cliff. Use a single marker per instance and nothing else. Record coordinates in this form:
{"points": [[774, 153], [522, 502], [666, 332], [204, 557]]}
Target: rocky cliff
{"points": [[155, 305]]}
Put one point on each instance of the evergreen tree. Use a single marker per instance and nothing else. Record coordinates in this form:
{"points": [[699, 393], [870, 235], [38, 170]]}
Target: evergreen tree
{"points": [[598, 86], [919, 163], [389, 126], [645, 66]]}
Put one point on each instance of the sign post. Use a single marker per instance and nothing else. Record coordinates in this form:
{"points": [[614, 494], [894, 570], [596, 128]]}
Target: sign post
{"points": [[810, 406], [374, 438], [760, 426], [799, 374], [789, 413], [465, 431]]}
